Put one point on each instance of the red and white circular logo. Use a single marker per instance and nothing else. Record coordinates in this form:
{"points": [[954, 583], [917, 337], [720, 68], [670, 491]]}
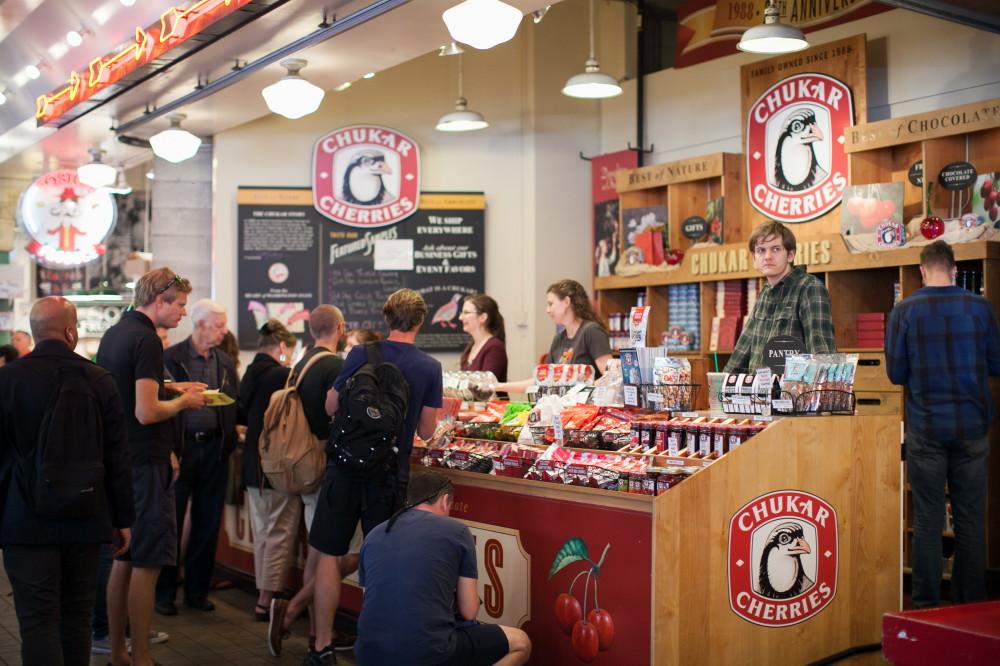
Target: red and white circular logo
{"points": [[782, 558], [366, 176], [796, 164], [67, 221]]}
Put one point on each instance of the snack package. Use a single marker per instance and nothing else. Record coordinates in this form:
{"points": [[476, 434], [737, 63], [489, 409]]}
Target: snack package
{"points": [[638, 322]]}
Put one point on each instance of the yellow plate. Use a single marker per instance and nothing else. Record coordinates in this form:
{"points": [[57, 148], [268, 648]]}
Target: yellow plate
{"points": [[215, 398]]}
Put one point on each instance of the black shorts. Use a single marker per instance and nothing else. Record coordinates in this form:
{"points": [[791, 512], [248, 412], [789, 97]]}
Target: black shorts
{"points": [[479, 644], [343, 501], [154, 533]]}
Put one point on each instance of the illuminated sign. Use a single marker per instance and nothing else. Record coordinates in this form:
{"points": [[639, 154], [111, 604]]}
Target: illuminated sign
{"points": [[67, 221], [174, 27]]}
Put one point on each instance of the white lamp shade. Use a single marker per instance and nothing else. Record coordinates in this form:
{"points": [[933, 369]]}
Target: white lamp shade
{"points": [[772, 38], [482, 24], [592, 85], [461, 121], [175, 145], [97, 174], [293, 97]]}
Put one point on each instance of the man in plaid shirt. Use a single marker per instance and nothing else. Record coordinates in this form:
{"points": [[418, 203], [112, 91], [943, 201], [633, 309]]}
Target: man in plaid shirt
{"points": [[943, 344], [792, 302]]}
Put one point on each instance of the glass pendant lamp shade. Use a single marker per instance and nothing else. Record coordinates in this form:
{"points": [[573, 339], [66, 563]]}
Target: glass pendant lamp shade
{"points": [[482, 24], [96, 174], [175, 144], [461, 119], [773, 36], [293, 97], [592, 84]]}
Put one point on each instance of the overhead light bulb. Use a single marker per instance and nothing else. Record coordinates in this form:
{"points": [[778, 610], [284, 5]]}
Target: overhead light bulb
{"points": [[150, 175], [175, 144], [293, 97], [97, 174], [461, 119], [592, 84], [450, 49], [773, 36], [343, 86], [74, 38], [3, 99], [482, 24], [369, 75], [127, 3], [32, 72]]}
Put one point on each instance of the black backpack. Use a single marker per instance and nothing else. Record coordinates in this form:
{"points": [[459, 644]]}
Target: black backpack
{"points": [[65, 473], [370, 418]]}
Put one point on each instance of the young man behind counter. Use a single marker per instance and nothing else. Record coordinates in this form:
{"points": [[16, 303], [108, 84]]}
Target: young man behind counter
{"points": [[792, 303]]}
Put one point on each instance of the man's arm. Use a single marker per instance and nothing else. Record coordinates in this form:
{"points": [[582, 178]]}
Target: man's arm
{"points": [[897, 356], [427, 422], [816, 318], [739, 360], [332, 401], [149, 409], [468, 598]]}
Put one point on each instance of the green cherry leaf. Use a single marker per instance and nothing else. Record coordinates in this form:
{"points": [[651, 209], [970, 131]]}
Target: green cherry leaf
{"points": [[574, 550]]}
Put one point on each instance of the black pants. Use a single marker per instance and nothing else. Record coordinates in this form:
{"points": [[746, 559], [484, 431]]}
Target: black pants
{"points": [[54, 599], [202, 479], [100, 622]]}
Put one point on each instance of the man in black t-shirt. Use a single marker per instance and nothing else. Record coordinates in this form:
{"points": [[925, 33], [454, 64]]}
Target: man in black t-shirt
{"points": [[133, 353], [438, 557]]}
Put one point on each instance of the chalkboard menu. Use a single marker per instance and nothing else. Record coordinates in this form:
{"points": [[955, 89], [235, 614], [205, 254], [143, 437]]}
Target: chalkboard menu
{"points": [[291, 259], [438, 251]]}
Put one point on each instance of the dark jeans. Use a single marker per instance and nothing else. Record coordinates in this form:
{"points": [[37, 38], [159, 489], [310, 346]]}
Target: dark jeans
{"points": [[54, 599], [100, 621], [202, 479], [962, 463]]}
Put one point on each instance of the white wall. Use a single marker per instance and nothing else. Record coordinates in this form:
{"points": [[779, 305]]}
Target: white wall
{"points": [[915, 63], [537, 188]]}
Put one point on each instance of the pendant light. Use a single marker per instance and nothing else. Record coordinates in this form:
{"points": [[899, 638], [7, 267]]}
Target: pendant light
{"points": [[175, 144], [96, 174], [293, 97], [592, 84], [774, 36], [461, 119], [482, 24]]}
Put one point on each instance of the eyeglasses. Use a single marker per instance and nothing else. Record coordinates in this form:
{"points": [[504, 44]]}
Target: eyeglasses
{"points": [[175, 280]]}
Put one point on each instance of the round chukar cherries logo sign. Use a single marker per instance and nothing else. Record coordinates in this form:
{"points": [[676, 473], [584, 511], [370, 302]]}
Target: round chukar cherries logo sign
{"points": [[366, 176], [796, 164], [783, 550]]}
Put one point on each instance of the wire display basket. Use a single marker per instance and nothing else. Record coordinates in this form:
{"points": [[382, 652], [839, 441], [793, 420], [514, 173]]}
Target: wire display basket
{"points": [[662, 397]]}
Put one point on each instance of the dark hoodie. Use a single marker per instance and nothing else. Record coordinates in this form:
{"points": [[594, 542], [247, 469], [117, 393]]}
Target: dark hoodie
{"points": [[263, 377]]}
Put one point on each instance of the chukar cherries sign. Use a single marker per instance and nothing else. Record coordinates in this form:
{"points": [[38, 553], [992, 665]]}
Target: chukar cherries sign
{"points": [[366, 176], [783, 551]]}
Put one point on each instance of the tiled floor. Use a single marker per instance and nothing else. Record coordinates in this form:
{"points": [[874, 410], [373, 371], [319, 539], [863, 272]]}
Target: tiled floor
{"points": [[228, 635]]}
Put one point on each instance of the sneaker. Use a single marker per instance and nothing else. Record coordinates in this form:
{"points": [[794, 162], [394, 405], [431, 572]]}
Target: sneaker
{"points": [[100, 646], [275, 630], [343, 641], [324, 658], [157, 637]]}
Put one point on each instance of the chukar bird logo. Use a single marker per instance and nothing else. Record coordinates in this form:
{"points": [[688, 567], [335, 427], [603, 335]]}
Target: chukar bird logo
{"points": [[363, 184], [795, 165], [780, 574]]}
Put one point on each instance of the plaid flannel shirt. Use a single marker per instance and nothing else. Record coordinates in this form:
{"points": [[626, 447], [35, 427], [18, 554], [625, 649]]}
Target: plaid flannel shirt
{"points": [[943, 344], [798, 306]]}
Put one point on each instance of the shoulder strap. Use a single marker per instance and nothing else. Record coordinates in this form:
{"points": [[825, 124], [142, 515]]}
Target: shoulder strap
{"points": [[301, 375], [374, 353]]}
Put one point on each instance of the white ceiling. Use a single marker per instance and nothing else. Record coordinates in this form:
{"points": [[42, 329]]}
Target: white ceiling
{"points": [[29, 28]]}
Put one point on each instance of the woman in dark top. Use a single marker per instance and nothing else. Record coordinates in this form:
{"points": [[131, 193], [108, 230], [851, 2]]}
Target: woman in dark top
{"points": [[274, 516], [482, 320]]}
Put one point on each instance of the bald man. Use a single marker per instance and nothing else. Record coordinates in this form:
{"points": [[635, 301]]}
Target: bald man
{"points": [[22, 342], [51, 559]]}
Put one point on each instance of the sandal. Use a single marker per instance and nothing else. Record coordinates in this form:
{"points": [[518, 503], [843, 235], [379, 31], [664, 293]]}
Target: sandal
{"points": [[262, 613]]}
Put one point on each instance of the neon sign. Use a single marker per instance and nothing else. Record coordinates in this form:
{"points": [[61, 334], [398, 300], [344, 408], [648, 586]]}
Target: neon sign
{"points": [[175, 26]]}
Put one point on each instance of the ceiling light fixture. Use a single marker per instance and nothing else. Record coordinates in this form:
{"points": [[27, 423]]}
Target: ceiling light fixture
{"points": [[773, 36], [592, 84], [32, 72], [461, 119], [369, 75], [343, 86], [482, 24], [175, 144], [539, 14], [127, 3], [3, 97], [450, 49], [293, 97], [74, 38], [96, 174]]}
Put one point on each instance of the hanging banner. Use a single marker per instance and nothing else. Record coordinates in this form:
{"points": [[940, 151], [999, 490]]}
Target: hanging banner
{"points": [[439, 251], [604, 198], [278, 261], [709, 29], [796, 108]]}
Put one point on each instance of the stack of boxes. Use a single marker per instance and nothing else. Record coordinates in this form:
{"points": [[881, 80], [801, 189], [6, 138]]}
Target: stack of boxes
{"points": [[684, 318], [871, 329], [734, 300]]}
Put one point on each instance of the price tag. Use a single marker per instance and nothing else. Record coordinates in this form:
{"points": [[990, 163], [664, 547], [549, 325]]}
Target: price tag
{"points": [[690, 415], [675, 463], [557, 427], [654, 397], [782, 405], [742, 400], [599, 396], [631, 394]]}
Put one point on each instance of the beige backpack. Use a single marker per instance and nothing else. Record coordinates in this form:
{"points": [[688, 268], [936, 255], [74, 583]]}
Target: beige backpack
{"points": [[291, 457]]}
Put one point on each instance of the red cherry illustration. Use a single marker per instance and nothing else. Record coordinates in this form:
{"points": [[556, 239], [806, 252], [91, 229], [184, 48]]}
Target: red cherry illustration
{"points": [[869, 207], [931, 227], [601, 619], [585, 641], [868, 221], [993, 196], [568, 612], [854, 205], [886, 208], [994, 212]]}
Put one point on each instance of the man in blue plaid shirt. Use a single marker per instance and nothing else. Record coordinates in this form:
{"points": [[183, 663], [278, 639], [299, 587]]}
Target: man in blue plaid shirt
{"points": [[943, 344]]}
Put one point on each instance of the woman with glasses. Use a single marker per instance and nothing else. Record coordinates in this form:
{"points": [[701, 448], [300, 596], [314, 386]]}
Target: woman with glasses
{"points": [[486, 351]]}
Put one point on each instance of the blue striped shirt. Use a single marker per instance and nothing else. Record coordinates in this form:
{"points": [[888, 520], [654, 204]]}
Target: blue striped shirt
{"points": [[943, 344]]}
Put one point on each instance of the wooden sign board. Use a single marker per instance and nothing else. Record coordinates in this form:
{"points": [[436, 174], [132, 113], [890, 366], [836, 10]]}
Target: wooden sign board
{"points": [[919, 127], [670, 173], [795, 108]]}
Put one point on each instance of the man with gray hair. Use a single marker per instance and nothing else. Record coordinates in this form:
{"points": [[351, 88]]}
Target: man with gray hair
{"points": [[206, 440]]}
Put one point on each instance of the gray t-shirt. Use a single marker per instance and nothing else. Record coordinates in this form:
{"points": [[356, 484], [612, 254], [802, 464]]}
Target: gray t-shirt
{"points": [[589, 344]]}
